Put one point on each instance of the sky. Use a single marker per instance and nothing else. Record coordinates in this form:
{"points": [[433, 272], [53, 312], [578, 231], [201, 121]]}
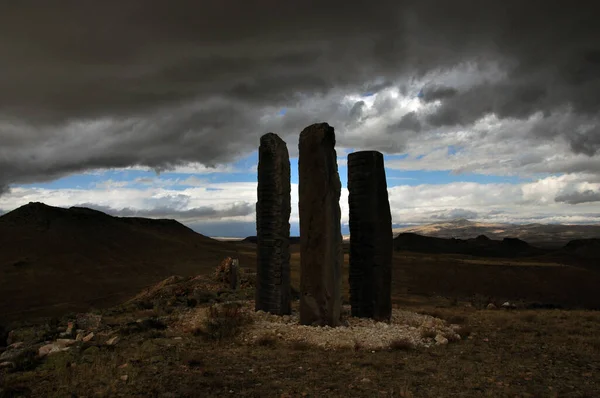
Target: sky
{"points": [[483, 110]]}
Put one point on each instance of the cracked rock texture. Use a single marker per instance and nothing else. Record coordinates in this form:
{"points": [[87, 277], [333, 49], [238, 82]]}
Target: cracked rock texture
{"points": [[371, 241], [273, 293], [321, 255]]}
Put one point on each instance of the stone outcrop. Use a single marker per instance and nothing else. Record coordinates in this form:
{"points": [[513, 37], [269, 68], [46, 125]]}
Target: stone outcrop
{"points": [[228, 272], [321, 253], [273, 293], [371, 240]]}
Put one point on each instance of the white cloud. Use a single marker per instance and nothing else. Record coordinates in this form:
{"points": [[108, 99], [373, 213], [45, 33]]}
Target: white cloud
{"points": [[233, 202]]}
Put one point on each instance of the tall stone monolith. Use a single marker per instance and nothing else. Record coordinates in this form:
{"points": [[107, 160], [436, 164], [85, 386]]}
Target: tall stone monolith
{"points": [[321, 255], [371, 240], [273, 292]]}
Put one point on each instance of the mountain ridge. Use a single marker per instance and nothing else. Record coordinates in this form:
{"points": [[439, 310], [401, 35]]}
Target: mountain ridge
{"points": [[542, 235]]}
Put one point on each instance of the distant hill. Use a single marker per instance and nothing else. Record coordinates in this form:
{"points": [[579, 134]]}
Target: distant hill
{"points": [[541, 235], [584, 248], [54, 260], [481, 246], [253, 239]]}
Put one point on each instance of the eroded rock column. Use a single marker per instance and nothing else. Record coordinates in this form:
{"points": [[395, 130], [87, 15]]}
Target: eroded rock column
{"points": [[273, 293], [371, 240], [321, 255]]}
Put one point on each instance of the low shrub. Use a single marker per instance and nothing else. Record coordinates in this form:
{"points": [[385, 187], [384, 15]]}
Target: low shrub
{"points": [[266, 341], [26, 360], [301, 346], [149, 324], [223, 322], [464, 331]]}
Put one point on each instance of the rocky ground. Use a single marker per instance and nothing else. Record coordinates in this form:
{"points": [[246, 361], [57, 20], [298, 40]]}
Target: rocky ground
{"points": [[406, 327], [189, 337]]}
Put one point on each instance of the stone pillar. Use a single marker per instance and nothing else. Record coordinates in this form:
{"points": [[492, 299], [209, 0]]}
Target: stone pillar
{"points": [[371, 240], [273, 292], [321, 255]]}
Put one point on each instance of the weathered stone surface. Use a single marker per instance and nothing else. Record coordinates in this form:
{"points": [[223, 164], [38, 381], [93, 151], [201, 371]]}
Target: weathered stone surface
{"points": [[371, 240], [273, 208], [57, 346], [321, 255]]}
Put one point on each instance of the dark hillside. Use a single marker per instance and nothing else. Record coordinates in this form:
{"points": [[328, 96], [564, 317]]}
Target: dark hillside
{"points": [[54, 260]]}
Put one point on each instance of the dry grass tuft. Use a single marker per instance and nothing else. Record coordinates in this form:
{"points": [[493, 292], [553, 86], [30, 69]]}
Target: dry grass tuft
{"points": [[529, 317], [223, 322], [464, 331], [358, 346], [266, 341], [457, 319], [300, 346]]}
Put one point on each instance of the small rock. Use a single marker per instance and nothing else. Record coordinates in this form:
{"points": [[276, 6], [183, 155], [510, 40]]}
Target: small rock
{"points": [[178, 338], [89, 337], [66, 342], [365, 380], [491, 306], [113, 340], [123, 366], [9, 355], [440, 340], [52, 348], [7, 365], [124, 377], [15, 346]]}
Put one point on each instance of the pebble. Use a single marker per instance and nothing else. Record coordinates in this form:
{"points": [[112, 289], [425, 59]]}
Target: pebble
{"points": [[89, 337], [371, 335]]}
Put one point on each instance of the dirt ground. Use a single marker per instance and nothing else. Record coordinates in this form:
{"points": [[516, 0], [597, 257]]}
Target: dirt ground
{"points": [[501, 353]]}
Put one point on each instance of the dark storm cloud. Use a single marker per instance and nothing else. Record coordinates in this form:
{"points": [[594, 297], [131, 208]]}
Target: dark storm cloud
{"points": [[438, 92], [574, 198], [357, 110], [587, 141], [409, 122], [86, 84]]}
